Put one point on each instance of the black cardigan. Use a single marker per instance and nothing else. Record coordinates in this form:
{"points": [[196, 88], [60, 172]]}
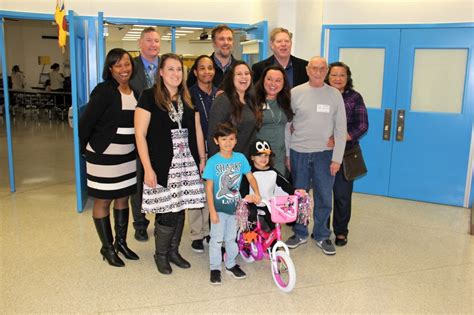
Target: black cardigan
{"points": [[99, 122], [300, 75], [160, 144]]}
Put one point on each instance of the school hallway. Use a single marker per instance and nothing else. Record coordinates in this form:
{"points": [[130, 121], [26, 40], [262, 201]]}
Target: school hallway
{"points": [[402, 256]]}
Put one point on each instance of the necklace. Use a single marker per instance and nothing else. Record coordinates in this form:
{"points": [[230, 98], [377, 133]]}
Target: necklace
{"points": [[204, 106], [267, 106], [177, 116]]}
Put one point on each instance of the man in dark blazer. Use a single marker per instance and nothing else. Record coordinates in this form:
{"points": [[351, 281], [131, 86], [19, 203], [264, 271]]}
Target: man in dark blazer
{"points": [[146, 66], [223, 42], [280, 43]]}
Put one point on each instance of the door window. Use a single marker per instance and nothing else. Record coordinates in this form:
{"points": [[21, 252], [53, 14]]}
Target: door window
{"points": [[367, 67], [438, 80]]}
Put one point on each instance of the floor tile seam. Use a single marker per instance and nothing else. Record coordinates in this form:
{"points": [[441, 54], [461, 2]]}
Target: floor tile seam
{"points": [[384, 275], [398, 223], [35, 189]]}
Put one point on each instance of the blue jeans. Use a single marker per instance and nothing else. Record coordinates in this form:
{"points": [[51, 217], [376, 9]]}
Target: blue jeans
{"points": [[313, 169], [225, 230]]}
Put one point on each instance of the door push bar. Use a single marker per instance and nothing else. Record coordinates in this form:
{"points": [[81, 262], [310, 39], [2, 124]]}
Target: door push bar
{"points": [[387, 125], [400, 125]]}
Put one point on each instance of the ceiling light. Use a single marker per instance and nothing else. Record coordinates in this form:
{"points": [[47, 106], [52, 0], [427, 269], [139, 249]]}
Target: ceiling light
{"points": [[129, 39], [186, 32], [133, 32]]}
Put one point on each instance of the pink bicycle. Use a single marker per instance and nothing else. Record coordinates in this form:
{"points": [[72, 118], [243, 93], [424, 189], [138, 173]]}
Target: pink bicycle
{"points": [[256, 244]]}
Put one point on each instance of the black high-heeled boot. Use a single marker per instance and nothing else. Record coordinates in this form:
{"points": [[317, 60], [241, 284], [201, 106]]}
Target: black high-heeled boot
{"points": [[173, 253], [121, 227], [163, 235], [104, 230]]}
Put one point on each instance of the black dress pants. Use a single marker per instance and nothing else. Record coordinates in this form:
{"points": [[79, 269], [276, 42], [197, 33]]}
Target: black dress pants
{"points": [[342, 191], [140, 222]]}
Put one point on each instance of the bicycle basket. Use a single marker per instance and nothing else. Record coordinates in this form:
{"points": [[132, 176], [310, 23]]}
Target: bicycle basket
{"points": [[284, 208]]}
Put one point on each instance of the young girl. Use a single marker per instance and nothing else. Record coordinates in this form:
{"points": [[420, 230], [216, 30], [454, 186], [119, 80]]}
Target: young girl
{"points": [[270, 182]]}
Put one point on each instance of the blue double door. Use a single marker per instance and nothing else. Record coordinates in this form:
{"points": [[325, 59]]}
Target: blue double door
{"points": [[419, 139]]}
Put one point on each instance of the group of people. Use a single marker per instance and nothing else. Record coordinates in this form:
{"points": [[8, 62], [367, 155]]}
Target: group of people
{"points": [[283, 117], [55, 82]]}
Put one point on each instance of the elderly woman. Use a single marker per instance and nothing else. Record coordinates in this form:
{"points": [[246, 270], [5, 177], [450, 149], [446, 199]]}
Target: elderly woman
{"points": [[107, 138], [339, 76]]}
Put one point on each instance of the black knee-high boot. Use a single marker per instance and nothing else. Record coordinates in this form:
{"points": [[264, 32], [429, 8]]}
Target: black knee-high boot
{"points": [[163, 235], [121, 227], [173, 253], [105, 234]]}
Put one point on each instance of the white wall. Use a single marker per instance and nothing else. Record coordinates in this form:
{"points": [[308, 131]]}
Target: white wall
{"points": [[303, 17], [397, 11], [231, 11], [24, 44]]}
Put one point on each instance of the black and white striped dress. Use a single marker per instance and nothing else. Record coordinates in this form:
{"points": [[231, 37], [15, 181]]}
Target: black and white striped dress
{"points": [[112, 174]]}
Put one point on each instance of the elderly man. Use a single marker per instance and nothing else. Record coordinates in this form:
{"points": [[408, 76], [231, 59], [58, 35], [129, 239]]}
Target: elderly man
{"points": [[146, 65], [280, 43], [319, 114], [223, 42]]}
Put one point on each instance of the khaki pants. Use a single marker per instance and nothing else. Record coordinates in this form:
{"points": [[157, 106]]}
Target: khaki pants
{"points": [[198, 223]]}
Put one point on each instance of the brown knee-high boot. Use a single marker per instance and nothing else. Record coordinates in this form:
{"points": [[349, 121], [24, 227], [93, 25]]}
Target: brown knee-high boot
{"points": [[163, 235], [173, 253]]}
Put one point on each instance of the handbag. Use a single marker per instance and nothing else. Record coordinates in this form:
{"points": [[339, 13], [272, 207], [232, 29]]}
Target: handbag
{"points": [[353, 164]]}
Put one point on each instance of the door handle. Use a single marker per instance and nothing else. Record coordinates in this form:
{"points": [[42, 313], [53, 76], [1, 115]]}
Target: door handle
{"points": [[387, 125], [400, 125]]}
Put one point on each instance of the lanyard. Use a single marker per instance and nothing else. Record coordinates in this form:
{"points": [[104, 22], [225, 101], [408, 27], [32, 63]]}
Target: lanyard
{"points": [[204, 105]]}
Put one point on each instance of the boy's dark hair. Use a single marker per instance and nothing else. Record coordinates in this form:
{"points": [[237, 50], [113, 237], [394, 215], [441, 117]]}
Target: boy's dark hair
{"points": [[224, 129]]}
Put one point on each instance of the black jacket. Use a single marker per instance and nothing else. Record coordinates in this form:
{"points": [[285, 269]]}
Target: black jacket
{"points": [[138, 82], [300, 75], [99, 122]]}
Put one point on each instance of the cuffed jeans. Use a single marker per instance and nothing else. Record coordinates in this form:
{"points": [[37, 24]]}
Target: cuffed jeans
{"points": [[225, 230], [311, 170]]}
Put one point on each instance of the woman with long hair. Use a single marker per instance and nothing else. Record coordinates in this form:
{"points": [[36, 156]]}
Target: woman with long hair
{"points": [[274, 100], [236, 105], [171, 148]]}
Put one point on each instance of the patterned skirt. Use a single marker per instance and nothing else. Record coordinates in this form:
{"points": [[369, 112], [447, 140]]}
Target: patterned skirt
{"points": [[185, 188]]}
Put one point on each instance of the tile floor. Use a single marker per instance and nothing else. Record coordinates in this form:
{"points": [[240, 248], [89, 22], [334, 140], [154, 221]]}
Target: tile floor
{"points": [[402, 256]]}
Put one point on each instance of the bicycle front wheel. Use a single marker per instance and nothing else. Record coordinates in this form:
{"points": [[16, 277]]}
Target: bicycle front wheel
{"points": [[283, 271]]}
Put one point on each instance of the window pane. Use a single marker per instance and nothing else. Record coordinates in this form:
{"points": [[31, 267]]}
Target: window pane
{"points": [[367, 67], [438, 80]]}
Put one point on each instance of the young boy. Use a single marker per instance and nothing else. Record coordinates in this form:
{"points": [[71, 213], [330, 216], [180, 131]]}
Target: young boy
{"points": [[223, 174]]}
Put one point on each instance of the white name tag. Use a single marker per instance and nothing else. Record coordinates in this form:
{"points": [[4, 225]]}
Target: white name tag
{"points": [[322, 108]]}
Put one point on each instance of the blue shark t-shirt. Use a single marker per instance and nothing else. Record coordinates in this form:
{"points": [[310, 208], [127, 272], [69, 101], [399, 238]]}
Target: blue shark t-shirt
{"points": [[226, 174]]}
